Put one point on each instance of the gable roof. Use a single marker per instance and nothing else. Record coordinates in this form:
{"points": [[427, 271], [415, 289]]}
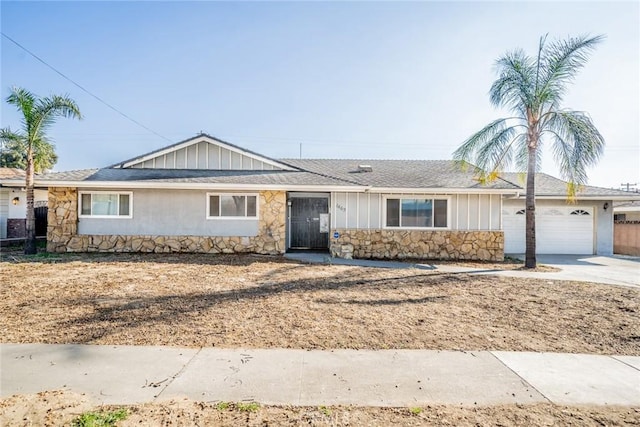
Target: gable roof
{"points": [[195, 178], [396, 174], [200, 138], [308, 175]]}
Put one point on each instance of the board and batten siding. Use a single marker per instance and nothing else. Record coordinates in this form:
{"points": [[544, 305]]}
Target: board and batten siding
{"points": [[204, 155], [367, 210], [4, 212]]}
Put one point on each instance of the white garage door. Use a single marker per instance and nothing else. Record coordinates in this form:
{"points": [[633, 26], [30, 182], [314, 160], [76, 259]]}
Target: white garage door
{"points": [[559, 230]]}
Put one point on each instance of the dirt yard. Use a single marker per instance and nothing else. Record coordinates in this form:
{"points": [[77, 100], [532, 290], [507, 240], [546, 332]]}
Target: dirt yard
{"points": [[61, 408], [253, 301], [262, 302]]}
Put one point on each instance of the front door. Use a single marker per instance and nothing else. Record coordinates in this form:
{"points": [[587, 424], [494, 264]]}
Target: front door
{"points": [[305, 222]]}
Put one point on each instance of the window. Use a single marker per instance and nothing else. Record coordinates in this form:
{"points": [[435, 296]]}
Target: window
{"points": [[579, 212], [236, 206], [417, 213], [105, 205], [520, 212]]}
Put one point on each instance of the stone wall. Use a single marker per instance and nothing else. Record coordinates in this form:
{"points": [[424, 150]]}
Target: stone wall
{"points": [[419, 244], [63, 219]]}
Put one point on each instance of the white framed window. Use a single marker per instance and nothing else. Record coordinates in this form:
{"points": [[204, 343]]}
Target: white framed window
{"points": [[232, 206], [105, 204], [416, 212]]}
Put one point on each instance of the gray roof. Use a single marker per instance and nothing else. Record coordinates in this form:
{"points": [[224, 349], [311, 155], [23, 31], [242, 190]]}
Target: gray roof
{"points": [[431, 174], [410, 174], [547, 185], [397, 174], [266, 177]]}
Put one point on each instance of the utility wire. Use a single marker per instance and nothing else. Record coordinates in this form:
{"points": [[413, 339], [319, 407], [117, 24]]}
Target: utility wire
{"points": [[85, 90]]}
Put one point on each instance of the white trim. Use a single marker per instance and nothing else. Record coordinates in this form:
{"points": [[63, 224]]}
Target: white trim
{"points": [[193, 186], [468, 211], [443, 191], [417, 196], [119, 193], [368, 211], [242, 218], [479, 211], [500, 216], [346, 210], [457, 212], [357, 210], [490, 217]]}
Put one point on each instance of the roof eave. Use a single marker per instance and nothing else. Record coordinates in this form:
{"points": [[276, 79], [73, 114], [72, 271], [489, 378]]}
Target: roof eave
{"points": [[579, 197], [444, 190], [195, 185]]}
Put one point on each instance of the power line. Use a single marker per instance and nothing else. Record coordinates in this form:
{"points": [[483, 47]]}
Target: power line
{"points": [[85, 90]]}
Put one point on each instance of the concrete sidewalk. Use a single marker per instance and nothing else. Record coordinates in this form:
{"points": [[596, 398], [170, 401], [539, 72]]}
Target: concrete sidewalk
{"points": [[134, 374]]}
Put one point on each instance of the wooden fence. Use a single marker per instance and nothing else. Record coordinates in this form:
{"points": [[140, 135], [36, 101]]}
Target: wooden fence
{"points": [[626, 238]]}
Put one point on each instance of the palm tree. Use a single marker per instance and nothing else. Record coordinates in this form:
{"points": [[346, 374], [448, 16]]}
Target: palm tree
{"points": [[38, 114], [532, 88]]}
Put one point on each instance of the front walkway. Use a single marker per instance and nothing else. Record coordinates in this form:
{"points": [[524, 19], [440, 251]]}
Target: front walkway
{"points": [[133, 374]]}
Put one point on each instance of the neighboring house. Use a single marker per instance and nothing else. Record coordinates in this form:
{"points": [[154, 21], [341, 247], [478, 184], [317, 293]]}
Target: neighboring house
{"points": [[13, 203], [626, 228], [627, 211], [207, 195]]}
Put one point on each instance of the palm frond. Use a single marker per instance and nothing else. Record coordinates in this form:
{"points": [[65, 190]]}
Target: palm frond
{"points": [[48, 109], [24, 101], [490, 149], [560, 62], [577, 144], [9, 136], [514, 86]]}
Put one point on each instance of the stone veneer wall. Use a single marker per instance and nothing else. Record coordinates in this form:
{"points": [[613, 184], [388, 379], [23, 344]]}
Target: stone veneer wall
{"points": [[62, 231], [432, 244]]}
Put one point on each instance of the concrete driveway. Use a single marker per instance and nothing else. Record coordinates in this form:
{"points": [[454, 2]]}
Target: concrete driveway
{"points": [[609, 270], [612, 270]]}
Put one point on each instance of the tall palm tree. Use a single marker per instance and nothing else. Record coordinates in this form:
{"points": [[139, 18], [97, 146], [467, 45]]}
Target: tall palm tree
{"points": [[38, 114], [532, 88]]}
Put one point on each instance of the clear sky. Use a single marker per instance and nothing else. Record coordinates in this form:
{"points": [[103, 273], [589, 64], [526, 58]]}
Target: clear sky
{"points": [[341, 80]]}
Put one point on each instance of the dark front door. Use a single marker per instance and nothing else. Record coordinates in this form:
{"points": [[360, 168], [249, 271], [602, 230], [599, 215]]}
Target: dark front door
{"points": [[41, 220], [305, 223]]}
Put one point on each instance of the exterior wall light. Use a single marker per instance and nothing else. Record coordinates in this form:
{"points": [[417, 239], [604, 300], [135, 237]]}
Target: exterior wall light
{"points": [[605, 206], [15, 200]]}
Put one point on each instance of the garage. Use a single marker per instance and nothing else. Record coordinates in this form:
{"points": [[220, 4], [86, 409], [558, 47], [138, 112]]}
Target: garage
{"points": [[559, 230]]}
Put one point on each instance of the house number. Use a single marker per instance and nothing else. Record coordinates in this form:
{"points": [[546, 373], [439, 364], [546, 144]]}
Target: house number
{"points": [[342, 208]]}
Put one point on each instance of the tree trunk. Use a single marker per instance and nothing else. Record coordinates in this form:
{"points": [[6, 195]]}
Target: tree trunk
{"points": [[530, 211], [30, 242]]}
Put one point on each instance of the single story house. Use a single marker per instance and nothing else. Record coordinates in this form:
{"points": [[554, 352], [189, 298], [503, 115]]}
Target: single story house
{"points": [[207, 195], [627, 211], [13, 203]]}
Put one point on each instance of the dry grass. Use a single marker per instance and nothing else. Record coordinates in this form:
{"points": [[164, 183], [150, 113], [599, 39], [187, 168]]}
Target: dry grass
{"points": [[262, 302], [61, 408]]}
